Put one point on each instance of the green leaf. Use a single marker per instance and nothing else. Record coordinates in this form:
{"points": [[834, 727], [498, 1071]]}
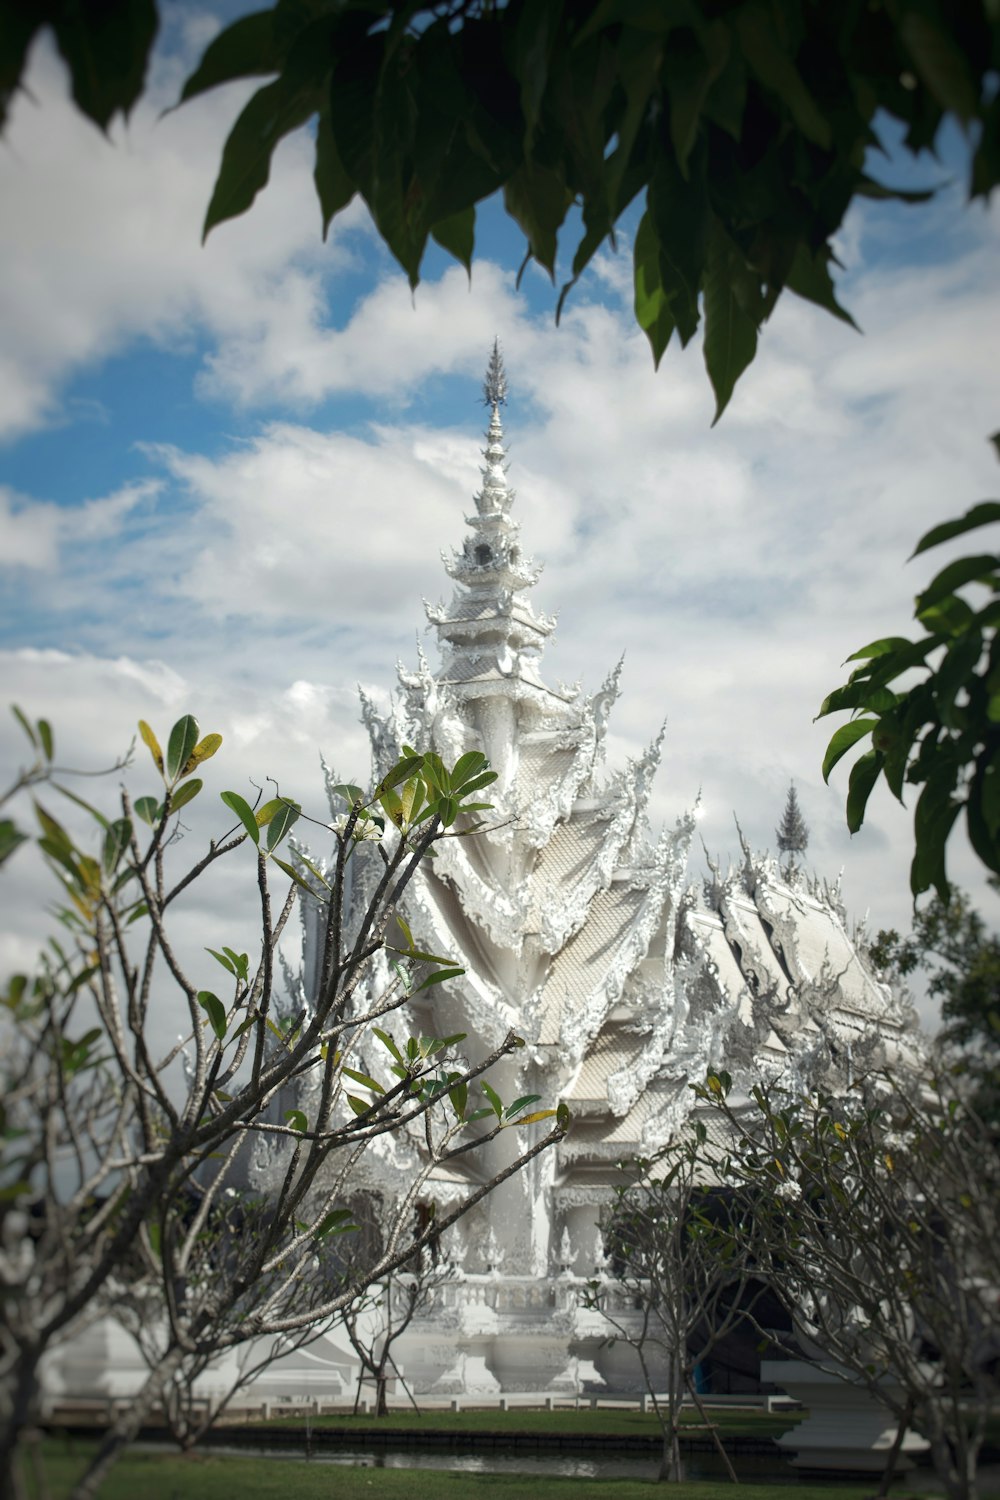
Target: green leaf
{"points": [[689, 74], [447, 811], [438, 977], [983, 514], [864, 774], [537, 198], [223, 960], [152, 743], [116, 842], [466, 767], [215, 1010], [246, 49], [487, 778], [25, 724], [652, 304], [296, 1120], [88, 807], [334, 185], [182, 795], [761, 41], [11, 838], [933, 817], [388, 1043], [809, 277], [496, 1104], [293, 874], [841, 742], [459, 1096], [350, 793], [148, 809], [337, 1221], [106, 47], [183, 738], [46, 737], [457, 235], [240, 961], [435, 772], [283, 820], [963, 570], [525, 1099], [359, 1106], [363, 1078], [313, 871], [730, 332], [881, 647], [274, 112], [244, 812]]}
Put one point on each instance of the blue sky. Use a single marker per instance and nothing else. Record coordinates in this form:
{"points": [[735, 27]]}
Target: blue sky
{"points": [[226, 473]]}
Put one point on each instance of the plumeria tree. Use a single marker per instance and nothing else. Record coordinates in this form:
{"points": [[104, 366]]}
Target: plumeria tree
{"points": [[680, 1277], [124, 1155], [877, 1218]]}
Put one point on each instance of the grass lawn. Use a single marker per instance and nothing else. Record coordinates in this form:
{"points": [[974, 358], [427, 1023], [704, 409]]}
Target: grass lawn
{"points": [[565, 1422], [204, 1476]]}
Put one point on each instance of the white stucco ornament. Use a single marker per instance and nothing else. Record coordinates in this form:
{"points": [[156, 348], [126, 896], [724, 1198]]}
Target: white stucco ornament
{"points": [[586, 932]]}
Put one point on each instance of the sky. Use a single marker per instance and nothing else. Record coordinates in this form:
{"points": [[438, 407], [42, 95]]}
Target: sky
{"points": [[227, 473]]}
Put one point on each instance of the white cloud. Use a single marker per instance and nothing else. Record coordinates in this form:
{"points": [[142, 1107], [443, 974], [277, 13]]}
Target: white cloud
{"points": [[104, 245]]}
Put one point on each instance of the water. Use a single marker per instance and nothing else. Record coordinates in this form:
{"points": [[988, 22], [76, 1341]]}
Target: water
{"points": [[764, 1468]]}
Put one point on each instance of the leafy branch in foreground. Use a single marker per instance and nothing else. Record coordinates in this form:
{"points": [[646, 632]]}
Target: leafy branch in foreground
{"points": [[747, 126], [876, 1218], [126, 1149], [943, 733], [679, 1279]]}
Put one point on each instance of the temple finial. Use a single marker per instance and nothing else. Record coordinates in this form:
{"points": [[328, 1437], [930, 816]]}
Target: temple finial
{"points": [[495, 384], [792, 834]]}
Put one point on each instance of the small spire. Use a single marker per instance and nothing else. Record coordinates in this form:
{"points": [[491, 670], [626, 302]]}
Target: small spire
{"points": [[792, 833], [495, 384]]}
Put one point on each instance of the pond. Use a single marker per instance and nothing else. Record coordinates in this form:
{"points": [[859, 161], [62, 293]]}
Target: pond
{"points": [[762, 1467]]}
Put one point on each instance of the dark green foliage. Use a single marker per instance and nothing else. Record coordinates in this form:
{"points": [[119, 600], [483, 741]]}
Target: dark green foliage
{"points": [[747, 126], [943, 733], [105, 44], [951, 943]]}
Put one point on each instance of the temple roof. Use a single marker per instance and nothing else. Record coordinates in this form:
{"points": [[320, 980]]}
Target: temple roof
{"points": [[573, 923]]}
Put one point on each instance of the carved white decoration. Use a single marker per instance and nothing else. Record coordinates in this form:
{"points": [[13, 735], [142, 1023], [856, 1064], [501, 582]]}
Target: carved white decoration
{"points": [[582, 931]]}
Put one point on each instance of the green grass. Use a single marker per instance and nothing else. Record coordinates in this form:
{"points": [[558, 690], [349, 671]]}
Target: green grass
{"points": [[565, 1423], [204, 1476]]}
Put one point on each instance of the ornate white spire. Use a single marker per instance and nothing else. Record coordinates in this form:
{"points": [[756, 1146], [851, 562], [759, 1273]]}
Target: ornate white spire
{"points": [[491, 638], [495, 384]]}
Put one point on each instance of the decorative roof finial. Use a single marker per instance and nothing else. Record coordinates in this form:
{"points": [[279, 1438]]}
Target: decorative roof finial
{"points": [[495, 384], [793, 833]]}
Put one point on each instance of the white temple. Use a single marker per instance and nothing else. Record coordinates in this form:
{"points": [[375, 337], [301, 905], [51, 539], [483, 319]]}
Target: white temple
{"points": [[581, 930], [584, 932]]}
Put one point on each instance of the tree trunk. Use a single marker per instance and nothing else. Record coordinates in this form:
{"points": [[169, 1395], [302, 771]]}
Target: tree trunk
{"points": [[897, 1444], [671, 1463], [720, 1446], [18, 1413], [124, 1429]]}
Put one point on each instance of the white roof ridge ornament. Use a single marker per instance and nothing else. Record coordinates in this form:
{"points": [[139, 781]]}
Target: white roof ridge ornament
{"points": [[495, 384]]}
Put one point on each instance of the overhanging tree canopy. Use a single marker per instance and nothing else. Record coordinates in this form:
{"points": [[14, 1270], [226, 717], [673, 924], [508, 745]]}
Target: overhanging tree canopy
{"points": [[747, 125]]}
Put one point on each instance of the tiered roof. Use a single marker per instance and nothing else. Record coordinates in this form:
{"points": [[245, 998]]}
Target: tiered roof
{"points": [[573, 925]]}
